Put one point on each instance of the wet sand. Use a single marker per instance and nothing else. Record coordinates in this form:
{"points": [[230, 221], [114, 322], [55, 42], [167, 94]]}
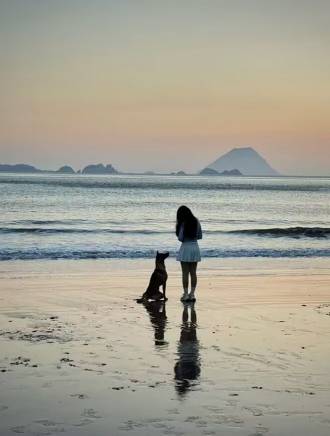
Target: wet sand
{"points": [[80, 357]]}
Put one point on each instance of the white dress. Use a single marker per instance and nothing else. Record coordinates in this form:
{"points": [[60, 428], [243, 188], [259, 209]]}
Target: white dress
{"points": [[189, 250]]}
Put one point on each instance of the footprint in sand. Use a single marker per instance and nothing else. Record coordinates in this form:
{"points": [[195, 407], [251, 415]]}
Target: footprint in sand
{"points": [[18, 429], [79, 396], [91, 413]]}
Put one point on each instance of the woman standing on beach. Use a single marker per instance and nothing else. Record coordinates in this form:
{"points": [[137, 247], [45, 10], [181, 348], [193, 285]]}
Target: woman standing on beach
{"points": [[188, 231]]}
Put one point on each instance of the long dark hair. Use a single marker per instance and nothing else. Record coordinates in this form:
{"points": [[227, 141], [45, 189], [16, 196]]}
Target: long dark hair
{"points": [[185, 217]]}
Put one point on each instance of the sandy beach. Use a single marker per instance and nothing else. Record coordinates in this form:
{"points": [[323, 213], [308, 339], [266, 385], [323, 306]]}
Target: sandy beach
{"points": [[138, 134], [80, 357]]}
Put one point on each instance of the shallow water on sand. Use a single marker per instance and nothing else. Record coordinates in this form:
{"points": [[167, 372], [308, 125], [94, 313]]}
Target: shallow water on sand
{"points": [[80, 356]]}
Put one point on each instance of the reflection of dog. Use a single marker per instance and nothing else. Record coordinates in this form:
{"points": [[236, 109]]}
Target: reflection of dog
{"points": [[158, 318], [157, 279]]}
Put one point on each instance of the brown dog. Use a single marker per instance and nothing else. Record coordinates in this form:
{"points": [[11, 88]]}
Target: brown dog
{"points": [[157, 279]]}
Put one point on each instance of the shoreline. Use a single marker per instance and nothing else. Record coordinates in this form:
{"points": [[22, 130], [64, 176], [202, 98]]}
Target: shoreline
{"points": [[233, 267]]}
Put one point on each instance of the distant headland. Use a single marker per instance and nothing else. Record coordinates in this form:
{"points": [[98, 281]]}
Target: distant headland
{"points": [[244, 161], [65, 169]]}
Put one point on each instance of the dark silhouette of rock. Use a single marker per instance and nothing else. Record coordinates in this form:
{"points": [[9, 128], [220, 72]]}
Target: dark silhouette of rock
{"points": [[246, 160], [66, 169], [209, 172], [234, 172], [178, 173], [99, 169], [18, 168]]}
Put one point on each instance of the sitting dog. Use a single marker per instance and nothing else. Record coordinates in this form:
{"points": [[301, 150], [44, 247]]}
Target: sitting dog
{"points": [[157, 279]]}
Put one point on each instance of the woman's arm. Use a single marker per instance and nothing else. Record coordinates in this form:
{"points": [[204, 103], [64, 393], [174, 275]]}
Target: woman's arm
{"points": [[199, 231], [181, 234]]}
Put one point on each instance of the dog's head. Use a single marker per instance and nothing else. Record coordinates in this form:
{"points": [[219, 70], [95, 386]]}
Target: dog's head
{"points": [[162, 256]]}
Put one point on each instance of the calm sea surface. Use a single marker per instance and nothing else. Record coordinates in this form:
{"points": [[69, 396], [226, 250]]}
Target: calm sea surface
{"points": [[83, 217]]}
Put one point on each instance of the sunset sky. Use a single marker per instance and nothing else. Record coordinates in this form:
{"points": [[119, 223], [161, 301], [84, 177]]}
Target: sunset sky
{"points": [[165, 85]]}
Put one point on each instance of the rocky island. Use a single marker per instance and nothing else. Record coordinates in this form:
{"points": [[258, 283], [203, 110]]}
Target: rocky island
{"points": [[99, 169], [18, 168], [211, 172], [66, 169], [246, 160]]}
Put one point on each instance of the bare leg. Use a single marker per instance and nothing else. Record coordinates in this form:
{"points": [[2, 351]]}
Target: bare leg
{"points": [[185, 274], [193, 279], [193, 274], [185, 279]]}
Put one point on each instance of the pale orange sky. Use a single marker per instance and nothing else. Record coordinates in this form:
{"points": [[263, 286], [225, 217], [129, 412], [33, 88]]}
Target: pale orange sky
{"points": [[165, 85]]}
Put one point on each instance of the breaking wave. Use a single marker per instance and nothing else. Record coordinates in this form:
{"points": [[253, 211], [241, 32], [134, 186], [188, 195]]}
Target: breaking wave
{"points": [[293, 232], [289, 232], [55, 254]]}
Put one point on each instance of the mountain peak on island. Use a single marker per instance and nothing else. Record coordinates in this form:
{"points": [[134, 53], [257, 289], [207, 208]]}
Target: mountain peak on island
{"points": [[246, 159]]}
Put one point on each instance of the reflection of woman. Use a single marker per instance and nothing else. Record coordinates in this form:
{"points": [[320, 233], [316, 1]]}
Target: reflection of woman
{"points": [[188, 231], [158, 319], [187, 368]]}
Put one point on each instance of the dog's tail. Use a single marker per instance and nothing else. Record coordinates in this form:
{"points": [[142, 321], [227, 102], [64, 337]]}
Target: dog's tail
{"points": [[139, 300]]}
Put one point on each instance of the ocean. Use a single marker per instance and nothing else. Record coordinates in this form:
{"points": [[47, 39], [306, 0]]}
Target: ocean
{"points": [[50, 216]]}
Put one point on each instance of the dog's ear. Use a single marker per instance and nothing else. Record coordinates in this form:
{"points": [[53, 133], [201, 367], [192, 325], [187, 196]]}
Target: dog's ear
{"points": [[157, 253]]}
